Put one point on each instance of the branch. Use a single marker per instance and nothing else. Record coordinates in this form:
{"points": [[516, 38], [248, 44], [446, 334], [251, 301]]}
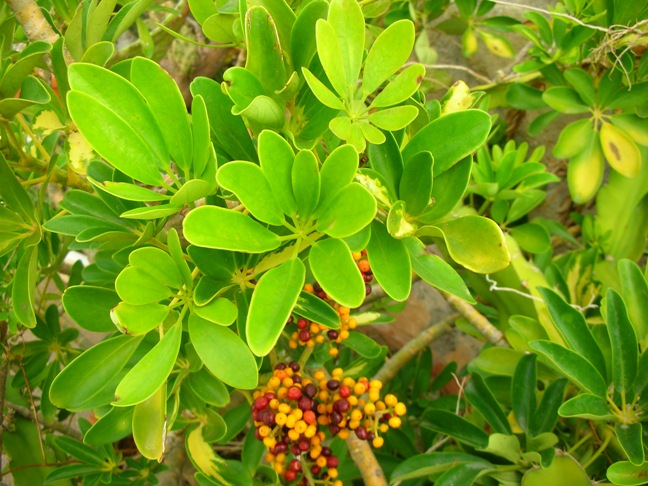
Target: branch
{"points": [[3, 384], [474, 317], [364, 458], [391, 368]]}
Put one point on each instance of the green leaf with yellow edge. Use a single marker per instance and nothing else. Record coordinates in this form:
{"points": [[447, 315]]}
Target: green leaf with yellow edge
{"points": [[151, 372], [635, 294], [403, 86], [620, 150], [436, 271], [223, 229], [347, 213], [335, 270], [219, 311], [150, 423], [276, 158], [390, 262], [346, 18], [337, 172], [165, 101], [223, 353], [633, 126], [363, 345], [497, 44], [585, 171], [95, 367], [389, 52], [392, 119], [274, 297], [371, 133], [202, 455], [251, 187], [138, 319], [476, 243], [306, 183]]}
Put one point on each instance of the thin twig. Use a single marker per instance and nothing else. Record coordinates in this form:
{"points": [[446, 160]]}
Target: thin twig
{"points": [[474, 317], [391, 368], [456, 67], [3, 383]]}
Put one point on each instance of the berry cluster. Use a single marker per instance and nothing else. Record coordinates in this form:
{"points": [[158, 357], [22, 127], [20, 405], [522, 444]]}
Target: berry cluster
{"points": [[294, 414]]}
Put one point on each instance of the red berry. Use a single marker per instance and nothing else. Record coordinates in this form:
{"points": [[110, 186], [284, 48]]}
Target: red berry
{"points": [[280, 366], [261, 403], [304, 335], [304, 445], [295, 450], [367, 277], [310, 390], [361, 433], [309, 417], [326, 451], [295, 465], [305, 404], [342, 406], [345, 391], [332, 461], [279, 448], [367, 289], [334, 429], [332, 385], [294, 393], [332, 334], [290, 475], [316, 470], [302, 323]]}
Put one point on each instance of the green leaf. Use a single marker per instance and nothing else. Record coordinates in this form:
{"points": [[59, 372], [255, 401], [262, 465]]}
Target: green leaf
{"points": [[635, 294], [151, 372], [346, 18], [389, 52], [338, 171], [248, 182], [335, 270], [111, 427], [13, 193], [564, 100], [563, 467], [223, 353], [165, 101], [130, 192], [390, 262], [351, 210], [435, 271], [150, 424], [630, 438], [264, 53], [481, 397], [70, 471], [625, 351], [101, 94], [94, 368], [387, 160], [136, 286], [450, 138], [219, 228], [424, 465], [448, 189], [306, 183], [573, 328], [586, 406], [209, 388], [202, 146], [398, 221], [457, 427], [573, 366], [394, 118], [401, 87], [219, 311], [23, 285], [363, 345], [316, 310], [625, 473], [573, 139], [78, 450], [464, 474], [330, 55], [302, 38], [277, 158], [273, 299], [263, 110], [523, 391], [321, 92], [477, 243], [532, 237], [416, 184], [546, 416], [158, 264], [95, 317], [139, 319]]}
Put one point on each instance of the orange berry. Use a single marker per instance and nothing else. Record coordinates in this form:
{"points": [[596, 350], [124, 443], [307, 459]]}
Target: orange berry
{"points": [[310, 417], [319, 375], [359, 389], [364, 266], [309, 288], [344, 434]]}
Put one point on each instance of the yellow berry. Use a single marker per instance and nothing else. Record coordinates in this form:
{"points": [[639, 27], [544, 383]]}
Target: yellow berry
{"points": [[310, 343], [333, 352], [338, 483], [356, 255], [370, 409], [377, 384], [281, 458], [380, 405], [344, 310], [292, 344], [343, 434], [270, 457], [384, 428], [264, 431], [319, 339], [356, 415], [321, 462], [333, 473], [400, 409], [391, 400], [284, 408], [374, 395], [378, 442], [297, 413], [394, 422], [309, 288], [311, 430], [274, 403], [290, 421], [269, 442], [287, 382], [337, 373], [359, 389], [353, 400], [278, 467], [314, 328], [319, 375], [352, 323], [293, 434], [343, 335]]}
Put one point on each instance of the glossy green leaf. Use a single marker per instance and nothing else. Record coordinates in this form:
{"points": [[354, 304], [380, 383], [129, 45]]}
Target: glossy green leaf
{"points": [[482, 398], [273, 299], [386, 159], [331, 56], [436, 271], [457, 427], [251, 187], [450, 138], [415, 186], [317, 310], [625, 473], [424, 465], [151, 372], [100, 94], [573, 139], [630, 438], [201, 151], [564, 100], [546, 416], [573, 366], [111, 427], [401, 87], [130, 192], [277, 158], [562, 467], [586, 406], [78, 450], [464, 474], [363, 345], [136, 286], [242, 85], [22, 288], [477, 243], [337, 172], [523, 391], [95, 368], [223, 353], [219, 28], [448, 189], [219, 311], [625, 350], [348, 212], [582, 83], [264, 53], [321, 92], [150, 424], [13, 193], [95, 317], [335, 270], [394, 118], [165, 101], [178, 257], [139, 319], [158, 264], [209, 388], [573, 328], [635, 295], [389, 52], [219, 228], [532, 237], [306, 183], [302, 38], [345, 17], [390, 262]]}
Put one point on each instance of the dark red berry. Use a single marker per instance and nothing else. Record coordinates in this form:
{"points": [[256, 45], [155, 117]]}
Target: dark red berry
{"points": [[367, 277], [290, 475], [310, 390], [294, 366], [371, 436], [316, 470], [334, 429], [296, 379], [304, 482], [317, 287], [261, 403], [305, 403], [279, 448], [332, 461], [304, 445], [335, 418], [295, 450], [332, 334], [270, 395], [332, 385], [257, 434], [342, 405], [295, 465], [321, 295], [294, 393], [326, 451], [361, 433], [304, 335], [302, 323], [280, 366], [367, 289]]}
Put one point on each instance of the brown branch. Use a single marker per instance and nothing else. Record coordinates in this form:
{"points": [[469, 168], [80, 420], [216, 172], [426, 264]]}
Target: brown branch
{"points": [[391, 368], [3, 383], [364, 459], [477, 319]]}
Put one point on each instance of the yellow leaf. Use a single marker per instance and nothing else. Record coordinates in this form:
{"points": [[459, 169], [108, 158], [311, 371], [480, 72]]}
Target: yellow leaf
{"points": [[46, 122], [620, 150], [203, 456], [459, 98], [585, 171], [79, 152]]}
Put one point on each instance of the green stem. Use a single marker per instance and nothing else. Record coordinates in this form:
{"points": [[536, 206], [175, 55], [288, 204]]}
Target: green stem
{"points": [[599, 451]]}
